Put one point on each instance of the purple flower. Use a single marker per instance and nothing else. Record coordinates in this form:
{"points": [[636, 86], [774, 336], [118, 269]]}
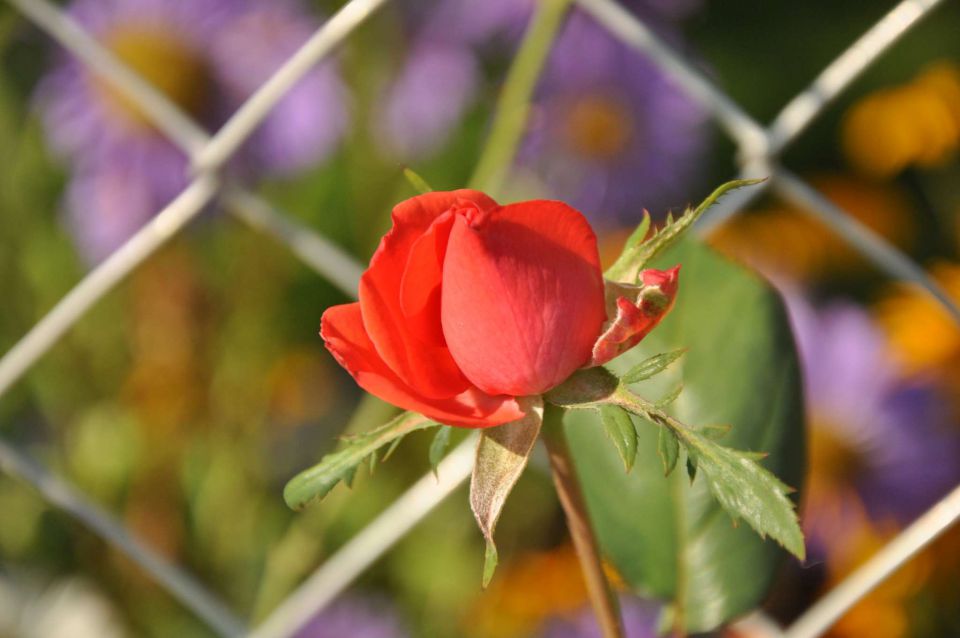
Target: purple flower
{"points": [[609, 131], [207, 56], [639, 621], [357, 618], [881, 444]]}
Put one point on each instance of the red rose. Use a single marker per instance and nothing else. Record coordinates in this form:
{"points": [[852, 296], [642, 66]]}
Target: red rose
{"points": [[468, 305]]}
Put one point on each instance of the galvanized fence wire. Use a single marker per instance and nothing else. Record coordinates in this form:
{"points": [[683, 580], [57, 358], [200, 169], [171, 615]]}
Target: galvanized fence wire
{"points": [[758, 151]]}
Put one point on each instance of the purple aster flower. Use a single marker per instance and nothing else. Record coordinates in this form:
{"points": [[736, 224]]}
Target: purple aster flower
{"points": [[207, 56], [357, 618], [609, 131], [881, 444], [639, 621]]}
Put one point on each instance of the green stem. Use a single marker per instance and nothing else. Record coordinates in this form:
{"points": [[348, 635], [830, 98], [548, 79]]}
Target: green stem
{"points": [[513, 107], [578, 521]]}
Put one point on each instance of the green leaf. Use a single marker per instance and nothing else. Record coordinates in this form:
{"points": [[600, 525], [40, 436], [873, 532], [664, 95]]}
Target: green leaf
{"points": [[748, 491], [315, 483], [502, 455], [620, 429], [490, 561], [670, 396], [439, 445], [715, 432], [669, 450], [691, 468], [639, 252], [652, 366], [419, 184], [667, 537]]}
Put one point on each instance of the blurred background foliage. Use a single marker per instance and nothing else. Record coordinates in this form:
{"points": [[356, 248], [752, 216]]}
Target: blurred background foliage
{"points": [[189, 395]]}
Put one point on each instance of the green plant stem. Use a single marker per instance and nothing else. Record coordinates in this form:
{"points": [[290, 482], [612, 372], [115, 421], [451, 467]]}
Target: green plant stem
{"points": [[578, 521], [513, 106]]}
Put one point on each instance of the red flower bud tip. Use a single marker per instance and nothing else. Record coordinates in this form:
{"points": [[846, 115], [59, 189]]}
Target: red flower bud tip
{"points": [[635, 311], [469, 306]]}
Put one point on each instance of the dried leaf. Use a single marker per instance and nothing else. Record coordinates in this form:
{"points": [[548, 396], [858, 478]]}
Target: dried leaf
{"points": [[501, 457]]}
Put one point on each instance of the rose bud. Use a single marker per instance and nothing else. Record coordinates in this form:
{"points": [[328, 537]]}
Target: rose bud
{"points": [[468, 307]]}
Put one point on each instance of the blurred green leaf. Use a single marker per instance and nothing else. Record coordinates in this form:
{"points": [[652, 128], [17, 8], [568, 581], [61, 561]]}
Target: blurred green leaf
{"points": [[418, 183], [669, 538], [315, 483]]}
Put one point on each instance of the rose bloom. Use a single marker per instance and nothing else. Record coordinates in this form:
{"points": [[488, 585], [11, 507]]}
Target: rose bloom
{"points": [[468, 307]]}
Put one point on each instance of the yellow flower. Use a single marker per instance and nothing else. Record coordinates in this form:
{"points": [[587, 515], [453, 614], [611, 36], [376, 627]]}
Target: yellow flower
{"points": [[916, 124], [924, 337], [787, 241], [527, 591], [884, 612]]}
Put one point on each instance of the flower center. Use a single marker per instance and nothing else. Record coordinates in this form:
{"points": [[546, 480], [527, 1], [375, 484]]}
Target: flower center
{"points": [[165, 61], [832, 457], [598, 127]]}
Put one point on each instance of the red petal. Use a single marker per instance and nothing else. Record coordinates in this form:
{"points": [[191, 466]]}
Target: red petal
{"points": [[636, 316], [426, 366], [420, 286], [343, 333], [522, 297]]}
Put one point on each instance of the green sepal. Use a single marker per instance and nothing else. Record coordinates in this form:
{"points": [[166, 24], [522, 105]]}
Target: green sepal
{"points": [[587, 387], [619, 427]]}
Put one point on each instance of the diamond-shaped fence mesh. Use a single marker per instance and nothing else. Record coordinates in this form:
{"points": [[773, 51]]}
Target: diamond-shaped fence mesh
{"points": [[758, 150]]}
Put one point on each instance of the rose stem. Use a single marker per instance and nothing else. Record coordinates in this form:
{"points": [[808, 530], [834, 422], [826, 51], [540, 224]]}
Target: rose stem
{"points": [[585, 543]]}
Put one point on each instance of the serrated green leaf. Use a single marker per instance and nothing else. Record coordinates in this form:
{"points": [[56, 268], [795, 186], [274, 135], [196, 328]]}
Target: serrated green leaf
{"points": [[748, 491], [439, 445], [635, 257], [670, 396], [619, 427], [652, 366], [341, 465], [665, 536], [669, 450], [502, 454], [419, 184]]}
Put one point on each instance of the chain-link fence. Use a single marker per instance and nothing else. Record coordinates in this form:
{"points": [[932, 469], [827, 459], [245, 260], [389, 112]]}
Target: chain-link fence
{"points": [[758, 151]]}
